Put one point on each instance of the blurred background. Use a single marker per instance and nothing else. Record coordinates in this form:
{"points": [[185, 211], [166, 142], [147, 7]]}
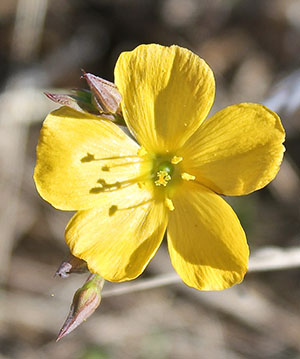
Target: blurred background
{"points": [[253, 47]]}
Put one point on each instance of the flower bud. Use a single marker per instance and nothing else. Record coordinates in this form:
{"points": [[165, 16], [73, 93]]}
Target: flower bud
{"points": [[105, 94], [85, 301], [80, 100]]}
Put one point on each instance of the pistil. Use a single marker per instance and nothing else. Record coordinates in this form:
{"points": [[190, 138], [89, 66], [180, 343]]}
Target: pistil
{"points": [[164, 173], [163, 178]]}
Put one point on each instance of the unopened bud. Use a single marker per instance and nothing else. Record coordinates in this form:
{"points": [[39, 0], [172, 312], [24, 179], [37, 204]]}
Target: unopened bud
{"points": [[85, 301], [85, 101], [80, 101], [71, 265], [105, 94]]}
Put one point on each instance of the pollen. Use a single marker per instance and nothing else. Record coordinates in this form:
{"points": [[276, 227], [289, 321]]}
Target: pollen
{"points": [[163, 178], [187, 177], [169, 204], [175, 160]]}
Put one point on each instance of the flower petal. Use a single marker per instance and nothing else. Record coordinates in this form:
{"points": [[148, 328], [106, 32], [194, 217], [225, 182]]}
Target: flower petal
{"points": [[166, 93], [236, 151], [83, 161], [206, 242], [117, 243]]}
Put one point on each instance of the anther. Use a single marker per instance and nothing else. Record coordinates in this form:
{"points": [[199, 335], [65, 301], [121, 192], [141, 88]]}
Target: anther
{"points": [[169, 204], [187, 177], [175, 160]]}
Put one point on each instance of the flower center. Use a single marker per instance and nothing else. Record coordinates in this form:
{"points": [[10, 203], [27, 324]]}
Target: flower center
{"points": [[164, 173]]}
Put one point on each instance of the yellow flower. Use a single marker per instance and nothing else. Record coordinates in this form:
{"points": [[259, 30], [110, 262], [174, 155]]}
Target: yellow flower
{"points": [[127, 195]]}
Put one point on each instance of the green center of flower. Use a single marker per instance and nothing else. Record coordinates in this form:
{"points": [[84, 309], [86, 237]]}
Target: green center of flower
{"points": [[164, 173]]}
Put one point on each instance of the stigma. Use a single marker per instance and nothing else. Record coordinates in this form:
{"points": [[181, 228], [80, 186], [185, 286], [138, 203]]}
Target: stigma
{"points": [[164, 174], [163, 178]]}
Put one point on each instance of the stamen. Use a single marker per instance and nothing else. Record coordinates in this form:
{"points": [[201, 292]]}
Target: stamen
{"points": [[175, 160], [91, 157], [163, 178], [187, 177], [102, 186], [169, 204]]}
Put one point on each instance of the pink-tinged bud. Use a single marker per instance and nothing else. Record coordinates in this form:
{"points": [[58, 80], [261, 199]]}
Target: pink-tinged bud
{"points": [[84, 101], [105, 94], [71, 265], [80, 101], [85, 301]]}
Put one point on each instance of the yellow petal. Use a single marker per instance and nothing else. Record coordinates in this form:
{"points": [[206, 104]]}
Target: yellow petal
{"points": [[206, 242], [236, 151], [73, 169], [166, 93], [117, 242]]}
